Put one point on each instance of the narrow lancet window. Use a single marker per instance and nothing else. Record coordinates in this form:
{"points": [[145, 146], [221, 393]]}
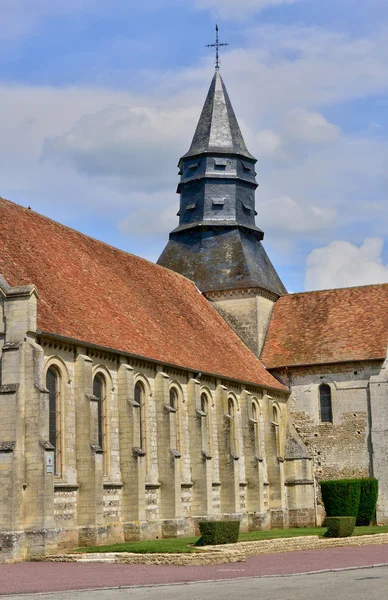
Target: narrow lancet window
{"points": [[206, 426], [53, 386], [325, 403], [256, 427], [232, 428], [139, 400], [176, 419], [99, 391]]}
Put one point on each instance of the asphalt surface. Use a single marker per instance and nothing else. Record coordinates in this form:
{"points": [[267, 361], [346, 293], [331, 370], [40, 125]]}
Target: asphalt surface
{"points": [[358, 584], [29, 578]]}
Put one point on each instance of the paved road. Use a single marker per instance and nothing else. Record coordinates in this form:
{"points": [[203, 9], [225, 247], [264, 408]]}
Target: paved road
{"points": [[358, 584], [24, 578]]}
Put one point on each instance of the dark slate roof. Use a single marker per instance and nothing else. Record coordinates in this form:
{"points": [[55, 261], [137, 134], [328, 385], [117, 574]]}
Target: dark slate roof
{"points": [[328, 326], [218, 130], [92, 292], [222, 259]]}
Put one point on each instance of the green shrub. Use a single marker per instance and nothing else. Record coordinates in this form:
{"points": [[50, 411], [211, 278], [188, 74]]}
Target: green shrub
{"points": [[340, 526], [368, 499], [341, 497], [218, 532]]}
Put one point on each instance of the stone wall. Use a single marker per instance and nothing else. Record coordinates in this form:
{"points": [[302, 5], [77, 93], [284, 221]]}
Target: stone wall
{"points": [[123, 468], [352, 445]]}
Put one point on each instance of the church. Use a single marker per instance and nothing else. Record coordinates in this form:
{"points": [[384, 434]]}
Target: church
{"points": [[138, 399]]}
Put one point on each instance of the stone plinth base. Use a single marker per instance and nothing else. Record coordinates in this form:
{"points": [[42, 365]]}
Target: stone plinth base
{"points": [[301, 517], [279, 518]]}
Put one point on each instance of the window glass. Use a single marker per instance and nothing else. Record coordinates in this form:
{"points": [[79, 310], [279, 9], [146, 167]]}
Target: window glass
{"points": [[139, 399], [53, 386], [325, 403]]}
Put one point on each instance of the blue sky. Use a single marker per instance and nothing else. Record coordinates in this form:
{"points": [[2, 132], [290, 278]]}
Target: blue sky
{"points": [[99, 102]]}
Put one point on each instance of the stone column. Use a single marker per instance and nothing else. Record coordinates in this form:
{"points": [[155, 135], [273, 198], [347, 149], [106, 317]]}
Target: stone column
{"points": [[25, 453], [131, 458], [254, 464], [168, 458], [201, 467], [229, 464], [275, 466], [89, 455]]}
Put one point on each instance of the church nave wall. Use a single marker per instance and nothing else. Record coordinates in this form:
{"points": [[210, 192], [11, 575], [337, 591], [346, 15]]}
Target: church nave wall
{"points": [[344, 443]]}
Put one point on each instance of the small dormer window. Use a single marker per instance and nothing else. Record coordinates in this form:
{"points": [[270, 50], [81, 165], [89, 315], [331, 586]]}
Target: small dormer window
{"points": [[246, 206], [191, 206], [218, 201], [220, 164], [193, 166], [246, 166]]}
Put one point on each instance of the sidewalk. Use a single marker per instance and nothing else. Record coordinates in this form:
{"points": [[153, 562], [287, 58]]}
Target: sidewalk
{"points": [[22, 578]]}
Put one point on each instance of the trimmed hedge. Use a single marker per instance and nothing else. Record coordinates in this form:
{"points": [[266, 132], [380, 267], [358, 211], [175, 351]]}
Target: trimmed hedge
{"points": [[341, 497], [368, 500], [218, 532], [340, 526]]}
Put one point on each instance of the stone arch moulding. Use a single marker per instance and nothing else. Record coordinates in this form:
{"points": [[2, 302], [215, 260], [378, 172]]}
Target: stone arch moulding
{"points": [[173, 384], [56, 361], [209, 396], [103, 370], [140, 378], [317, 381]]}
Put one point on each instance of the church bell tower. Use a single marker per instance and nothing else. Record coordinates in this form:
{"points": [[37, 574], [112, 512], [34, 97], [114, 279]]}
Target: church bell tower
{"points": [[217, 243]]}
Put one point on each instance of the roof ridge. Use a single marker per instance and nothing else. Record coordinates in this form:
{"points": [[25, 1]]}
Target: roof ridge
{"points": [[349, 287], [89, 237]]}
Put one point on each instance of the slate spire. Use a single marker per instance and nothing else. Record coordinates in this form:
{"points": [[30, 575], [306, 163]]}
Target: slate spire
{"points": [[217, 243], [218, 130]]}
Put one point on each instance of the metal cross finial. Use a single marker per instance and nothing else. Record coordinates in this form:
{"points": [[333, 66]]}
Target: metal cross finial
{"points": [[217, 46]]}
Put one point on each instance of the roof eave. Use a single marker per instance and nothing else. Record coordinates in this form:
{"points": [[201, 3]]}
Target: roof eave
{"points": [[69, 340]]}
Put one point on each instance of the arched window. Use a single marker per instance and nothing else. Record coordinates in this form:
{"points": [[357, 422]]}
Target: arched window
{"points": [[99, 391], [206, 425], [232, 427], [53, 384], [140, 402], [173, 398], [276, 422], [325, 403], [256, 426], [176, 420]]}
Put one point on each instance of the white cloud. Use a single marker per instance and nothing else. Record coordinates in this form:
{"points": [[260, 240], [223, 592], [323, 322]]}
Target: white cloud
{"points": [[136, 144], [17, 17], [271, 145], [342, 264], [241, 9], [301, 131], [122, 147], [284, 214], [305, 126], [153, 212]]}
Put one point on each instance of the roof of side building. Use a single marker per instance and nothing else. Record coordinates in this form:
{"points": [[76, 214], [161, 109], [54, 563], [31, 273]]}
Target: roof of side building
{"points": [[328, 326], [95, 293]]}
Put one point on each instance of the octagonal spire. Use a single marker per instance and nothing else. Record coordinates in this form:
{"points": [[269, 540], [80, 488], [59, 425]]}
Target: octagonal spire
{"points": [[218, 131]]}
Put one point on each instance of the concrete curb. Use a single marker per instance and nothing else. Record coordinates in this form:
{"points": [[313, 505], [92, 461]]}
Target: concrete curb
{"points": [[229, 553]]}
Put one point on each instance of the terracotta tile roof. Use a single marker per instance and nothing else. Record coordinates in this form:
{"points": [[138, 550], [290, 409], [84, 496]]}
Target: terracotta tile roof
{"points": [[328, 326], [93, 292]]}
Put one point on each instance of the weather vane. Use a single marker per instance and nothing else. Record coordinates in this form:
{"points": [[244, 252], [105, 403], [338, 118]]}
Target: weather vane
{"points": [[217, 46]]}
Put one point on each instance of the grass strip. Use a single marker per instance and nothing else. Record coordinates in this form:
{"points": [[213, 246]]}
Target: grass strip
{"points": [[182, 545]]}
